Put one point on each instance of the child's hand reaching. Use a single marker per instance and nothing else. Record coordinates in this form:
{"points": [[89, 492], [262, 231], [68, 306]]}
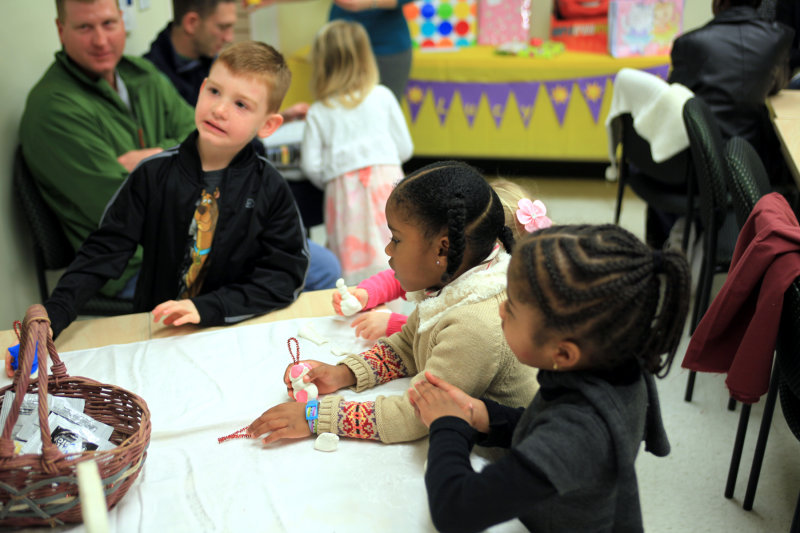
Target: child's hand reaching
{"points": [[436, 398], [283, 421], [371, 325], [361, 295], [177, 313], [327, 378]]}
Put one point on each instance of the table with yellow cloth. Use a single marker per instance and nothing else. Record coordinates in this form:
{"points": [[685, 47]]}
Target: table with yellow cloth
{"points": [[472, 102]]}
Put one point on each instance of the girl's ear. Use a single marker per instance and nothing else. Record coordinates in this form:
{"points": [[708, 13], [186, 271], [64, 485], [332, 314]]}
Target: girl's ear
{"points": [[567, 355], [444, 245]]}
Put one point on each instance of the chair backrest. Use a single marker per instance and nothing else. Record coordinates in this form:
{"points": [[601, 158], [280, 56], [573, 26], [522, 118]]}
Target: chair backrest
{"points": [[45, 228], [747, 177], [706, 144], [636, 149], [788, 357]]}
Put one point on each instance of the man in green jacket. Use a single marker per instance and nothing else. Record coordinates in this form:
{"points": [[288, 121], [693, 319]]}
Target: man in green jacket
{"points": [[92, 117]]}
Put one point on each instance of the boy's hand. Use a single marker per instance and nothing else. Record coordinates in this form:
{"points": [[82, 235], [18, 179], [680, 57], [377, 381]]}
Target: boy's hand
{"points": [[361, 295], [327, 378], [284, 421], [177, 313], [371, 325], [470, 409]]}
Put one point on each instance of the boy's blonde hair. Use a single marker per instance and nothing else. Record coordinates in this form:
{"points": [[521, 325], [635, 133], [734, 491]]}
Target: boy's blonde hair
{"points": [[260, 61], [343, 65]]}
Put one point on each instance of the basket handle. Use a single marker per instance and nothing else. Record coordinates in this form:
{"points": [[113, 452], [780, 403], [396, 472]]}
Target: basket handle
{"points": [[35, 328]]}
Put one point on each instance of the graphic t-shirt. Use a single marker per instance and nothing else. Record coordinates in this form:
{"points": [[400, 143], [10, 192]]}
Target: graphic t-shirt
{"points": [[201, 235]]}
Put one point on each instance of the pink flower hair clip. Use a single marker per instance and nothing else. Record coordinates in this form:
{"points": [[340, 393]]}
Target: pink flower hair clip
{"points": [[533, 215]]}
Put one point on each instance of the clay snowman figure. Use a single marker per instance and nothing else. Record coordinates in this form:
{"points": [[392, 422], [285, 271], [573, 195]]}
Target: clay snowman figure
{"points": [[302, 391], [350, 304]]}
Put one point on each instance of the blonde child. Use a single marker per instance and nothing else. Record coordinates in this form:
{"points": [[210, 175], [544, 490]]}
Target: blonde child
{"points": [[383, 286], [446, 222], [595, 310], [354, 142]]}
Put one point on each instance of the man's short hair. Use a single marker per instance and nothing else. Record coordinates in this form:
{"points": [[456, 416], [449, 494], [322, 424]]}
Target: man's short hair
{"points": [[203, 8], [60, 7], [261, 61]]}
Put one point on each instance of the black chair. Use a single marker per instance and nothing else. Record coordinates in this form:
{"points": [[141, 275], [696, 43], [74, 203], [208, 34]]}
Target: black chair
{"points": [[51, 249], [665, 184], [719, 230], [749, 182], [784, 380]]}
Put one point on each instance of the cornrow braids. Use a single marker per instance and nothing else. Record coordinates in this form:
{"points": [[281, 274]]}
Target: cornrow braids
{"points": [[602, 286], [453, 196]]}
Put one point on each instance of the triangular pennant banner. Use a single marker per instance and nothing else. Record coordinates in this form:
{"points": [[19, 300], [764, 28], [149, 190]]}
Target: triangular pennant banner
{"points": [[525, 93], [497, 95], [442, 97], [560, 92], [415, 94], [662, 71], [593, 89], [470, 99]]}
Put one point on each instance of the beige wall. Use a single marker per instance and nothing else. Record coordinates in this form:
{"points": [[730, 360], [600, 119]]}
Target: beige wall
{"points": [[29, 40]]}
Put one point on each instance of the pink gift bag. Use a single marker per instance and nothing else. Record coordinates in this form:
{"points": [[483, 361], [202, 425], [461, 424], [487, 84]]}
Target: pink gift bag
{"points": [[503, 21]]}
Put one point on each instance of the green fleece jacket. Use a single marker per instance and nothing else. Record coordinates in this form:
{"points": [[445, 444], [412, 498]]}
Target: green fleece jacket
{"points": [[74, 128]]}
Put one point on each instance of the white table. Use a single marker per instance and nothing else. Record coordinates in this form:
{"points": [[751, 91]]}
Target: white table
{"points": [[208, 384]]}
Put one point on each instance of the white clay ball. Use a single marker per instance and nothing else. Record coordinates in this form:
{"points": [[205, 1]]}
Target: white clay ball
{"points": [[326, 442]]}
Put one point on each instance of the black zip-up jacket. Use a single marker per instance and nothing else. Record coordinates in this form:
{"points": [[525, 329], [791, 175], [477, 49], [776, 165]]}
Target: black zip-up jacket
{"points": [[258, 259], [733, 63], [187, 80]]}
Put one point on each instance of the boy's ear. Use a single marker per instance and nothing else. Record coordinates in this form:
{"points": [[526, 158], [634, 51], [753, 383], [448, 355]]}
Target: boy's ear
{"points": [[567, 355], [272, 123]]}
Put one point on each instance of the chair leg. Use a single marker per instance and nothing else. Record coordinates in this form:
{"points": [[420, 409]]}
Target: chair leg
{"points": [[761, 443], [621, 180], [731, 404], [738, 445], [687, 397]]}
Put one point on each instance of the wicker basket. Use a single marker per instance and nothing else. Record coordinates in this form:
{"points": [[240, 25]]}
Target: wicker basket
{"points": [[43, 489]]}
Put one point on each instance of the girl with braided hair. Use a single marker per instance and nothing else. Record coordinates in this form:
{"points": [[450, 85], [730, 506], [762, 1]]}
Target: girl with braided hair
{"points": [[445, 222], [599, 313]]}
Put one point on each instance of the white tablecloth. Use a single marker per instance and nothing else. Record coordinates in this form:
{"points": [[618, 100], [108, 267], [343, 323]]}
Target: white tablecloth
{"points": [[203, 386]]}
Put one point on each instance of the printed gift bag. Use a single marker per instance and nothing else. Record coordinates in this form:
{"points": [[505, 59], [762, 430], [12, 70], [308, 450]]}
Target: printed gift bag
{"points": [[441, 23], [643, 27], [503, 21]]}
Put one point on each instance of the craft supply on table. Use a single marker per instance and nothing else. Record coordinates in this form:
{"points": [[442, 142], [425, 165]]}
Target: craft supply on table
{"points": [[307, 331], [326, 442], [350, 304], [12, 354], [303, 392]]}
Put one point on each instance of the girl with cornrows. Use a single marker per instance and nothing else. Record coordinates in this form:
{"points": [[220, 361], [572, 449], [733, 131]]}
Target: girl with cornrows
{"points": [[445, 222], [599, 313]]}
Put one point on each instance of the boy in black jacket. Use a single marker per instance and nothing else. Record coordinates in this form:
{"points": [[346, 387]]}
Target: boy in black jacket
{"points": [[221, 234]]}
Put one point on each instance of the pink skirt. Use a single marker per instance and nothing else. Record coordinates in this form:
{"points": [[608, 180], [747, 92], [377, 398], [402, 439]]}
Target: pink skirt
{"points": [[355, 219]]}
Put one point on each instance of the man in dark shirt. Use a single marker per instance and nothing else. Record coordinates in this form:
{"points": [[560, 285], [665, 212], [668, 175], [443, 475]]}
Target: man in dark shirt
{"points": [[185, 49], [733, 63]]}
